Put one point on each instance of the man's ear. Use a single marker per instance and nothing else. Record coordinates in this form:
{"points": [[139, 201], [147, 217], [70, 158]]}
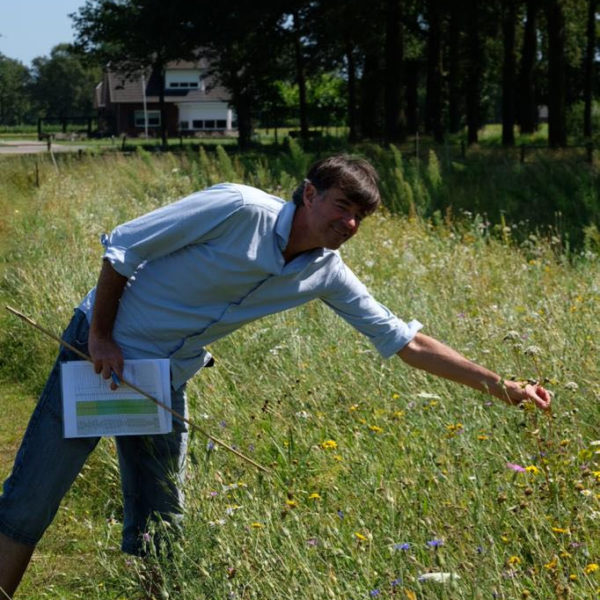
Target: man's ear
{"points": [[308, 193]]}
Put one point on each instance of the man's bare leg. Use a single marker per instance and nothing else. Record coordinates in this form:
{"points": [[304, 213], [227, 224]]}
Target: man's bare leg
{"points": [[14, 558]]}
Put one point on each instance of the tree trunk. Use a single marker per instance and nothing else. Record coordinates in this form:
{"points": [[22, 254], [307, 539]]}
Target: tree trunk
{"points": [[244, 119], [475, 68], [351, 65], [508, 72], [454, 71], [527, 108], [300, 77], [589, 69], [411, 77], [370, 105], [394, 118], [433, 102], [162, 105], [557, 126]]}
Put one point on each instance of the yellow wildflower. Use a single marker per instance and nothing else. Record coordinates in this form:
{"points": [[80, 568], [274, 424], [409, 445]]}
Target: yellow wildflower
{"points": [[291, 503], [338, 457], [573, 577], [398, 414], [256, 525], [482, 438], [591, 568], [532, 469], [375, 428], [360, 537], [395, 396], [514, 560], [560, 530], [329, 445], [551, 566], [314, 496], [353, 407]]}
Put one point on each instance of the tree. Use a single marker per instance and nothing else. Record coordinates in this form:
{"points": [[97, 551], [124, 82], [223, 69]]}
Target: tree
{"points": [[14, 101], [246, 44], [62, 85], [589, 69], [527, 109], [394, 116], [509, 10], [557, 119], [434, 100], [474, 71], [133, 35]]}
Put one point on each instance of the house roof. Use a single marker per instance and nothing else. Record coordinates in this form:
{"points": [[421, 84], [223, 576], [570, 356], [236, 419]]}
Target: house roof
{"points": [[118, 87]]}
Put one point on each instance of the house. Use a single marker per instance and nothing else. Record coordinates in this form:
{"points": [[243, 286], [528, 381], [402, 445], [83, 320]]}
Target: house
{"points": [[129, 104]]}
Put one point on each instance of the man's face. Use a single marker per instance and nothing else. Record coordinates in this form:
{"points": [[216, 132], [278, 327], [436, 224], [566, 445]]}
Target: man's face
{"points": [[332, 217]]}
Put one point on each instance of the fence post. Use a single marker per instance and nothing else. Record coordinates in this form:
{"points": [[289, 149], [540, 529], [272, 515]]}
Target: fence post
{"points": [[123, 144]]}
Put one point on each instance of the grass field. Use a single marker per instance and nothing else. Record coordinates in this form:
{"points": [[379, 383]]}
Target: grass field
{"points": [[385, 482]]}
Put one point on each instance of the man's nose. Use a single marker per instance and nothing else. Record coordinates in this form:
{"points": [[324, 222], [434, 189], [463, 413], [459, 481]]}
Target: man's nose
{"points": [[351, 222]]}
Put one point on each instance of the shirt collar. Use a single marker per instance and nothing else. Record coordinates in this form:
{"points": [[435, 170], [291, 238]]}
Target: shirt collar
{"points": [[283, 225]]}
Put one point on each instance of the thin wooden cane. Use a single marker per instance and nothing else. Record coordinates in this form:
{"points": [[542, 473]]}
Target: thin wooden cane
{"points": [[134, 387]]}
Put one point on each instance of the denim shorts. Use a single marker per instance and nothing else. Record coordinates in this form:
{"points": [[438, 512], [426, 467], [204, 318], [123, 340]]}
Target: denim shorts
{"points": [[152, 467]]}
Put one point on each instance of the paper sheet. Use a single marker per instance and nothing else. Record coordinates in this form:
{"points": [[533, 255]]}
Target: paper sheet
{"points": [[91, 408]]}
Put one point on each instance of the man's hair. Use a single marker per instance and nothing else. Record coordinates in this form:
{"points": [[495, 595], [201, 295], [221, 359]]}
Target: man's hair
{"points": [[354, 176]]}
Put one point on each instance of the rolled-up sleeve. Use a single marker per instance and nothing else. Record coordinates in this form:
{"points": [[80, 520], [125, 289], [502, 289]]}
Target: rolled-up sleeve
{"points": [[351, 300], [169, 228]]}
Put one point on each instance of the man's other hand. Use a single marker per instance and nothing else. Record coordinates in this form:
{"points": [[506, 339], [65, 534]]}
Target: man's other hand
{"points": [[107, 357]]}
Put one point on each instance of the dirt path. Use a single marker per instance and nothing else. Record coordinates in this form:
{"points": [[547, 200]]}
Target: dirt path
{"points": [[34, 147]]}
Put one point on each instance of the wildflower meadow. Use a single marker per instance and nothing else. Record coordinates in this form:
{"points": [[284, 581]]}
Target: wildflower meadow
{"points": [[383, 481]]}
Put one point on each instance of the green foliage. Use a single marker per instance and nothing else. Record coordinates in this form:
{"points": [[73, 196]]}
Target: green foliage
{"points": [[371, 462], [61, 84], [14, 104]]}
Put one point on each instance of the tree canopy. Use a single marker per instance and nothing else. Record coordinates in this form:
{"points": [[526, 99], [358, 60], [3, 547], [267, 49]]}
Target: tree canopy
{"points": [[393, 67]]}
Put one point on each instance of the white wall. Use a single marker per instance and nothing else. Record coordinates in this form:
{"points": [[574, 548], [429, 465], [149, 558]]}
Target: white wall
{"points": [[205, 111]]}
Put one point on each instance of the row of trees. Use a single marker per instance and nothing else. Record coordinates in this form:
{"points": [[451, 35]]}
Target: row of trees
{"points": [[59, 86], [387, 68], [406, 65]]}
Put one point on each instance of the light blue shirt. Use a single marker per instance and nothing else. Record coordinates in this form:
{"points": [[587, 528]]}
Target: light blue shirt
{"points": [[202, 267]]}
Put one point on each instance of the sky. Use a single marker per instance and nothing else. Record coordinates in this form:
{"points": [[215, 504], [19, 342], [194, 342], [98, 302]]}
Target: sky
{"points": [[31, 28]]}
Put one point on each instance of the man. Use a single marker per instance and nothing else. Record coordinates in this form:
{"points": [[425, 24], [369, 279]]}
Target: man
{"points": [[179, 278]]}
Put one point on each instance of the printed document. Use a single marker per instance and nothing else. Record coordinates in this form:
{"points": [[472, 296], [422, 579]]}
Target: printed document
{"points": [[91, 408]]}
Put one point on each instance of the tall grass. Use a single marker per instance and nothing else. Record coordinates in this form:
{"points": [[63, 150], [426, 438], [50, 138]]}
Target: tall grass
{"points": [[379, 474]]}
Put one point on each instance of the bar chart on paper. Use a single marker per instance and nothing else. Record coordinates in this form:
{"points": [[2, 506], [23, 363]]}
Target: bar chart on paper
{"points": [[91, 408]]}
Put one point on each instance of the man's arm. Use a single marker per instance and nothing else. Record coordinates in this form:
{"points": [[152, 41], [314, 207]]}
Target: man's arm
{"points": [[424, 352], [105, 353]]}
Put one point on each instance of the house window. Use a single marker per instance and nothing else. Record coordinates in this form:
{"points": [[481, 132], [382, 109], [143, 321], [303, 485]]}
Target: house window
{"points": [[184, 125], [153, 118], [209, 124]]}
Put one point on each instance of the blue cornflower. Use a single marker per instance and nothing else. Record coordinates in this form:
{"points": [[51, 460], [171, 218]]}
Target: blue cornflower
{"points": [[404, 546], [340, 514], [374, 593], [435, 543]]}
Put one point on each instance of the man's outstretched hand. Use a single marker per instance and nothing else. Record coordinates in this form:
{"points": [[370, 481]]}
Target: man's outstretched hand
{"points": [[517, 392]]}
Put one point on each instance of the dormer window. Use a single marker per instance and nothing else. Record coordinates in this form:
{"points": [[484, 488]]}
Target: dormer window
{"points": [[183, 79]]}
